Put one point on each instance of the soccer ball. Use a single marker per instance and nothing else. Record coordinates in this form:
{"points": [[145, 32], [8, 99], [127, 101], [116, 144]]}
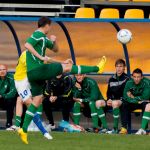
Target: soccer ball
{"points": [[124, 36]]}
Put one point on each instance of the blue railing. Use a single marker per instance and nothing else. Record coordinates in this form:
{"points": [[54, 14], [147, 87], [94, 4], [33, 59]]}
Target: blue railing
{"points": [[60, 22]]}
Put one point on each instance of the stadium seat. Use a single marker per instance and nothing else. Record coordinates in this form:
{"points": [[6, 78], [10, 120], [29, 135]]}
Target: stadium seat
{"points": [[134, 13], [109, 13], [141, 0], [118, 0], [85, 13]]}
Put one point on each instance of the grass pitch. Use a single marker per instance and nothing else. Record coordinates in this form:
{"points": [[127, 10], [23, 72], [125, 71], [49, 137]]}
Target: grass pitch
{"points": [[74, 141]]}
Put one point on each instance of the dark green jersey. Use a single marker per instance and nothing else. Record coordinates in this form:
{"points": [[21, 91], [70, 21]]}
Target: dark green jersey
{"points": [[89, 90], [7, 87], [140, 92], [40, 42]]}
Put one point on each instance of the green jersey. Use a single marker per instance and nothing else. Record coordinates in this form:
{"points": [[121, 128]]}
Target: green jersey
{"points": [[140, 92], [89, 91], [7, 87], [40, 42]]}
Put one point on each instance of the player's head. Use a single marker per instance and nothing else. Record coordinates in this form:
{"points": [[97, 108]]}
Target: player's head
{"points": [[137, 75], [80, 77], [120, 66], [3, 70], [44, 23]]}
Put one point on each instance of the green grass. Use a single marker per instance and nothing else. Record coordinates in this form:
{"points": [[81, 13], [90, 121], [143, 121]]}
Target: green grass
{"points": [[74, 141]]}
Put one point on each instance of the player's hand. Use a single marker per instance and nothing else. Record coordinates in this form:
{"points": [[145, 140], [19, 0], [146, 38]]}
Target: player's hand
{"points": [[53, 38], [79, 100], [0, 96], [52, 99], [144, 101], [77, 85], [46, 59], [109, 102], [68, 61]]}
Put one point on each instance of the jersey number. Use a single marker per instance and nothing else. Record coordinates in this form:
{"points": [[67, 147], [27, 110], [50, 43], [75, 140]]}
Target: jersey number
{"points": [[24, 94]]}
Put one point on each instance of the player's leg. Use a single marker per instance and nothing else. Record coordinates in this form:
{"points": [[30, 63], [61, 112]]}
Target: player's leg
{"points": [[74, 69], [100, 104], [94, 115], [76, 112], [116, 113], [38, 122], [145, 120], [19, 110], [23, 88]]}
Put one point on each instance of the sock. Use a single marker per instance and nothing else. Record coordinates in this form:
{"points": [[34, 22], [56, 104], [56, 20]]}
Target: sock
{"points": [[38, 122], [76, 113], [83, 69], [101, 115], [116, 112], [94, 114], [145, 119], [17, 121], [28, 117], [40, 110]]}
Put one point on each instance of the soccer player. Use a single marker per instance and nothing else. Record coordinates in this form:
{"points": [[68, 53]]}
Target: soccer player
{"points": [[8, 94], [38, 72], [58, 91], [115, 91], [25, 96], [135, 96], [86, 92], [145, 120]]}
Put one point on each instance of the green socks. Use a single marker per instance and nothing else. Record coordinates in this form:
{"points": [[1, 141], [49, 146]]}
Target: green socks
{"points": [[116, 113], [29, 116], [94, 114], [40, 110], [83, 69], [145, 119], [76, 113], [17, 121], [101, 115]]}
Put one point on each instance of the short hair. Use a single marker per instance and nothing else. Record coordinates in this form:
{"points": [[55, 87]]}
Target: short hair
{"points": [[120, 61], [43, 21], [138, 71]]}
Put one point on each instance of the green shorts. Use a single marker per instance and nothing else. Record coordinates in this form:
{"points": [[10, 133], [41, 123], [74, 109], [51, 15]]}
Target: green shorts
{"points": [[39, 75]]}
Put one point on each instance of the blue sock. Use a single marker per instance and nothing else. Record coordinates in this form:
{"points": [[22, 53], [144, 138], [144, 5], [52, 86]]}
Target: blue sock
{"points": [[38, 122]]}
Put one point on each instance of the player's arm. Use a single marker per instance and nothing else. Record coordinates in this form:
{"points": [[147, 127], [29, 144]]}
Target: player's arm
{"points": [[94, 92], [52, 43], [31, 49], [127, 95], [109, 93], [12, 92], [29, 45]]}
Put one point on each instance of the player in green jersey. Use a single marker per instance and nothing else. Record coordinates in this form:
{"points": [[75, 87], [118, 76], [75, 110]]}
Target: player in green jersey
{"points": [[38, 72]]}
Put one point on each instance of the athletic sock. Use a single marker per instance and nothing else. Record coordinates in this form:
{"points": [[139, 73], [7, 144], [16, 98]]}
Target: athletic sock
{"points": [[145, 120], [17, 121], [94, 114], [102, 117], [116, 112], [76, 113], [28, 117], [83, 69], [38, 122]]}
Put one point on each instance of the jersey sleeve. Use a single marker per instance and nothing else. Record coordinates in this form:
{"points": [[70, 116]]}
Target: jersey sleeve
{"points": [[33, 39]]}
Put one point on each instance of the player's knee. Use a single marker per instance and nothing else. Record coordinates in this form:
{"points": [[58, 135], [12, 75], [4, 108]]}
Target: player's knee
{"points": [[100, 103], [116, 104], [28, 102], [67, 67], [147, 108]]}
